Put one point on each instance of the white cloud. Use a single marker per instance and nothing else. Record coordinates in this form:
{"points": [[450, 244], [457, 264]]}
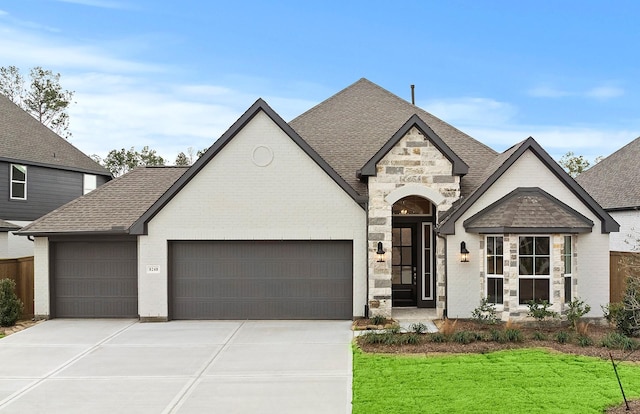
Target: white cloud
{"points": [[474, 111], [97, 3], [547, 92], [605, 92]]}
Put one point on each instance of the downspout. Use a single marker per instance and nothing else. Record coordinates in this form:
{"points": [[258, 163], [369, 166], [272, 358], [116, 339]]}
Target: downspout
{"points": [[446, 278]]}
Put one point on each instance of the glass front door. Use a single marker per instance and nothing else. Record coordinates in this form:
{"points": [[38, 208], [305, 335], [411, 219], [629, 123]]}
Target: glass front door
{"points": [[404, 267]]}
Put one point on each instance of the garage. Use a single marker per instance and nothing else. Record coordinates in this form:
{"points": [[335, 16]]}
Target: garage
{"points": [[261, 279], [94, 279]]}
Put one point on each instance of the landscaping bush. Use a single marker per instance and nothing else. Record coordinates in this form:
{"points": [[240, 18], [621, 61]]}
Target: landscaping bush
{"points": [[617, 340], [464, 337], [625, 315], [562, 337], [539, 336], [539, 310], [378, 320], [412, 339], [576, 309], [448, 326], [512, 335], [418, 328], [485, 313], [437, 337], [584, 341], [10, 305]]}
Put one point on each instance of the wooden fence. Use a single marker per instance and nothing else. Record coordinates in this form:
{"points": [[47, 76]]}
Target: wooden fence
{"points": [[20, 271], [621, 265]]}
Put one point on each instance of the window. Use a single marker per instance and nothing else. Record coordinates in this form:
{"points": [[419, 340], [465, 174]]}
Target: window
{"points": [[534, 261], [89, 183], [412, 206], [495, 265], [18, 182], [567, 253]]}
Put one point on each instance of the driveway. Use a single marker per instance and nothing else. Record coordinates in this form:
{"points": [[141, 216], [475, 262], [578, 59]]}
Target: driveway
{"points": [[123, 366]]}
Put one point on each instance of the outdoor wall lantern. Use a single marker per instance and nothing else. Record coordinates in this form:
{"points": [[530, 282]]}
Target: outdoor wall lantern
{"points": [[464, 253], [380, 252]]}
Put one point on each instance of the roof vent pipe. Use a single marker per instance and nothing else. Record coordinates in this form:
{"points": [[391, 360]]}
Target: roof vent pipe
{"points": [[413, 95]]}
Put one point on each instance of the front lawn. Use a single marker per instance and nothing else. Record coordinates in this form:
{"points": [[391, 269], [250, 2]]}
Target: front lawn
{"points": [[513, 381]]}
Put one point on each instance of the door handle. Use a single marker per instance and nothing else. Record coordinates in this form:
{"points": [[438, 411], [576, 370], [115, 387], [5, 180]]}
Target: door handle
{"points": [[415, 275]]}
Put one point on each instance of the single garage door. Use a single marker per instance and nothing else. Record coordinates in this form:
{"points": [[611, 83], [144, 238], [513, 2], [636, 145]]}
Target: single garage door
{"points": [[261, 279], [94, 279]]}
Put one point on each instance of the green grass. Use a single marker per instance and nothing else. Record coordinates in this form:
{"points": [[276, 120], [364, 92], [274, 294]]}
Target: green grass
{"points": [[516, 381]]}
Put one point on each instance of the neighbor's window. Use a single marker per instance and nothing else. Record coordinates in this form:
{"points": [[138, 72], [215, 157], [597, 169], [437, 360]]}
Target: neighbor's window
{"points": [[495, 265], [89, 183], [18, 182], [534, 262], [567, 254]]}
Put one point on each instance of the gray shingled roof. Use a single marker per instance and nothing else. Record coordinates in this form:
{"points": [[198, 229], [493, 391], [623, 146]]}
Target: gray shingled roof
{"points": [[615, 181], [23, 138], [6, 226], [351, 126], [112, 207], [528, 210]]}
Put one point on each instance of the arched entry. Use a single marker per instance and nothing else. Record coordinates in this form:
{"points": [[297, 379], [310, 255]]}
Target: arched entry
{"points": [[413, 278]]}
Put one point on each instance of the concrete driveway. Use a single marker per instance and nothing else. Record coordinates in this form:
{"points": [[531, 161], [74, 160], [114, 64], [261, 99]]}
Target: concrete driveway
{"points": [[122, 366]]}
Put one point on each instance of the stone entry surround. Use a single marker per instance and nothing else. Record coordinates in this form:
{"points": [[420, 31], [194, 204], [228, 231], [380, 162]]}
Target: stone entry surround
{"points": [[414, 166]]}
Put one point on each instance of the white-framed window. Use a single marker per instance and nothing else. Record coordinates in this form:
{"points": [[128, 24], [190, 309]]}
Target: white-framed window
{"points": [[89, 183], [18, 182], [534, 267], [494, 269], [567, 261]]}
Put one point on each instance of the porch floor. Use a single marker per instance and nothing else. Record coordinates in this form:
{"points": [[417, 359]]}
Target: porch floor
{"points": [[407, 316]]}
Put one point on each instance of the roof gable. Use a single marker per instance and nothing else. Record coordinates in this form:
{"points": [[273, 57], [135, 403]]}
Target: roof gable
{"points": [[528, 210], [615, 181], [608, 224], [140, 226], [349, 128], [459, 167], [25, 140]]}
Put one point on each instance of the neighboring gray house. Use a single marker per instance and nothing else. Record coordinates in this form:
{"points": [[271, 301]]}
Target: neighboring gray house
{"points": [[39, 172], [363, 204], [614, 182]]}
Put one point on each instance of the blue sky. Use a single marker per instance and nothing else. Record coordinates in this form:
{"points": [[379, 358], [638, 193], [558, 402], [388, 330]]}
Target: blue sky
{"points": [[177, 74]]}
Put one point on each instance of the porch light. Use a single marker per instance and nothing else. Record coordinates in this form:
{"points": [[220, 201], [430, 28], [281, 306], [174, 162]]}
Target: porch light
{"points": [[380, 252], [464, 253]]}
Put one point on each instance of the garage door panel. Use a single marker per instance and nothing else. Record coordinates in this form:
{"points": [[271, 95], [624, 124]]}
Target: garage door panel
{"points": [[95, 279], [261, 280]]}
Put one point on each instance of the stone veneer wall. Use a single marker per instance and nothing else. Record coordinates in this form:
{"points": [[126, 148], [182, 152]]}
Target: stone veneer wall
{"points": [[414, 161], [511, 309]]}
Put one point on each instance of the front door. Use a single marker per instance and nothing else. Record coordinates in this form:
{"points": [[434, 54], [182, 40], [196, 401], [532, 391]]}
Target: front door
{"points": [[404, 266]]}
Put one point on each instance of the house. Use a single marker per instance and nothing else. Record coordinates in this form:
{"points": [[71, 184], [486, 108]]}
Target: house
{"points": [[360, 205], [614, 183], [39, 172]]}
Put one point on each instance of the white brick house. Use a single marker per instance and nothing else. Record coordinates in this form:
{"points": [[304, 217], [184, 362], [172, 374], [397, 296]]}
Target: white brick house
{"points": [[362, 204]]}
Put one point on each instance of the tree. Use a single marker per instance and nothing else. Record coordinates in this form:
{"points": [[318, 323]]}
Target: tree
{"points": [[122, 161], [182, 160], [574, 164], [44, 98]]}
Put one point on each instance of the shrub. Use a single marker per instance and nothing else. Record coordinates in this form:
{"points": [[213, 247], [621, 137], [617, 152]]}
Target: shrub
{"points": [[539, 336], [583, 328], [10, 305], [378, 320], [576, 310], [418, 328], [448, 326], [584, 340], [562, 337], [617, 340], [485, 313], [412, 339], [512, 335], [539, 310], [437, 337], [625, 315], [463, 337]]}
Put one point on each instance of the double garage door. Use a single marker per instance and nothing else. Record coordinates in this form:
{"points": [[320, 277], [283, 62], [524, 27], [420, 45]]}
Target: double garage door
{"points": [[261, 280], [208, 279]]}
